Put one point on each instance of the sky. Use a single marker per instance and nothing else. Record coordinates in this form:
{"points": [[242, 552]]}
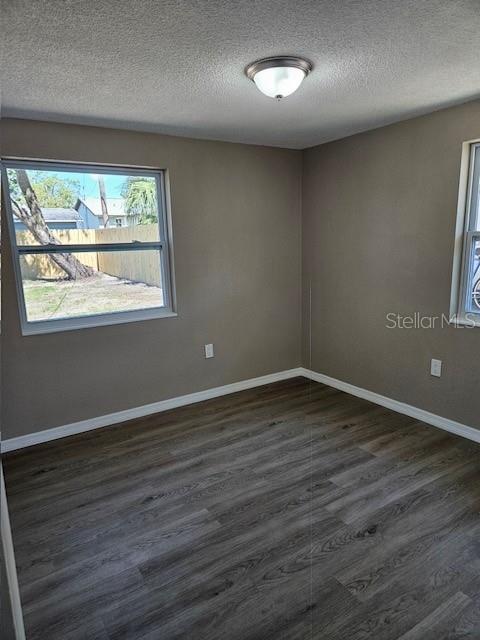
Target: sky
{"points": [[89, 183]]}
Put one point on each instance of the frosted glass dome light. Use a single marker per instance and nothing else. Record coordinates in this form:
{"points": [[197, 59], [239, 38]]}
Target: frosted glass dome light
{"points": [[278, 77]]}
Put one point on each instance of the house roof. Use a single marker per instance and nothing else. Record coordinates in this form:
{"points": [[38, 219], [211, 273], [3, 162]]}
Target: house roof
{"points": [[115, 206], [59, 214]]}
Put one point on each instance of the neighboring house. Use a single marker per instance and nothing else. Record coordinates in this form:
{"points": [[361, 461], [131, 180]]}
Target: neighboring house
{"points": [[57, 218], [90, 210], [85, 214], [89, 219]]}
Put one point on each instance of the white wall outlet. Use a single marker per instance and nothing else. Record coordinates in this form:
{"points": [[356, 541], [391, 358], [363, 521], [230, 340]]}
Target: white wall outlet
{"points": [[209, 351], [436, 368]]}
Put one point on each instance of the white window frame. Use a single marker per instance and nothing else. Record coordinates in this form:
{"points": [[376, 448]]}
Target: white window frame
{"points": [[465, 236], [163, 246]]}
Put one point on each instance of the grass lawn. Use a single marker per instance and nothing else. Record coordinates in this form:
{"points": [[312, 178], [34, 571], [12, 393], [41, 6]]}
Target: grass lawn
{"points": [[53, 299]]}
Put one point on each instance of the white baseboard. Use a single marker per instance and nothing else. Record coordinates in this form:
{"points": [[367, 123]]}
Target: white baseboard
{"points": [[457, 428], [118, 417], [12, 444]]}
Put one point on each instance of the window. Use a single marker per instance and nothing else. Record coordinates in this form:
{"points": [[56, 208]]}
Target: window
{"points": [[466, 282], [91, 244]]}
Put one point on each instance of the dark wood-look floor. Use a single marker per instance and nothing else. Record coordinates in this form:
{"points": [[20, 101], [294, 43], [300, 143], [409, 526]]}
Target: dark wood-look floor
{"points": [[291, 511]]}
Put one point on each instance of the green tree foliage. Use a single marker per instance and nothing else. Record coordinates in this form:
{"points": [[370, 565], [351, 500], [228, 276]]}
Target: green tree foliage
{"points": [[51, 190], [141, 199], [15, 191]]}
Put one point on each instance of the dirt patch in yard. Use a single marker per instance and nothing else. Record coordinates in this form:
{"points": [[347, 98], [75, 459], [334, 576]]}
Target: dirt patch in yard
{"points": [[54, 299]]}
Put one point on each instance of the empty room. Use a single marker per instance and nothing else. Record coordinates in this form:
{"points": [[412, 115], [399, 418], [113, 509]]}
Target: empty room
{"points": [[240, 320]]}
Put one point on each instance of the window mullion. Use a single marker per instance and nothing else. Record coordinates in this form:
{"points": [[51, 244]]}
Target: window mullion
{"points": [[89, 248]]}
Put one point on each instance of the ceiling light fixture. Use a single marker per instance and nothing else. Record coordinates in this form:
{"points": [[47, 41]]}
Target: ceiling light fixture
{"points": [[279, 76]]}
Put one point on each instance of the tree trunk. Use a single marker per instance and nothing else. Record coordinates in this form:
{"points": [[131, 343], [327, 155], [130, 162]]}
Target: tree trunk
{"points": [[103, 200], [35, 223]]}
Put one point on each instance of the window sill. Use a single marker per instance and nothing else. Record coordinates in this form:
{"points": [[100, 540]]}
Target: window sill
{"points": [[91, 322]]}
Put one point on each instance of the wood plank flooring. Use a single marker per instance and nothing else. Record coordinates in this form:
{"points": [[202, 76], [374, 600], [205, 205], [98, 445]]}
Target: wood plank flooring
{"points": [[291, 511]]}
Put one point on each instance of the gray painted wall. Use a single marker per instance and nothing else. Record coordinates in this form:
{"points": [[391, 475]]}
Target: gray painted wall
{"points": [[379, 215], [237, 240], [379, 212]]}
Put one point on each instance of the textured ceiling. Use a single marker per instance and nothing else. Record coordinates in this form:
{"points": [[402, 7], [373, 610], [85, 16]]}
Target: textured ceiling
{"points": [[177, 66]]}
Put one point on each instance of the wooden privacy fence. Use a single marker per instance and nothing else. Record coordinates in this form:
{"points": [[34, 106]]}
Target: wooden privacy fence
{"points": [[138, 266]]}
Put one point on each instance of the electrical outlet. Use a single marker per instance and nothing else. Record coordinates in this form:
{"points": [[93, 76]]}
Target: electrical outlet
{"points": [[436, 368], [209, 351]]}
